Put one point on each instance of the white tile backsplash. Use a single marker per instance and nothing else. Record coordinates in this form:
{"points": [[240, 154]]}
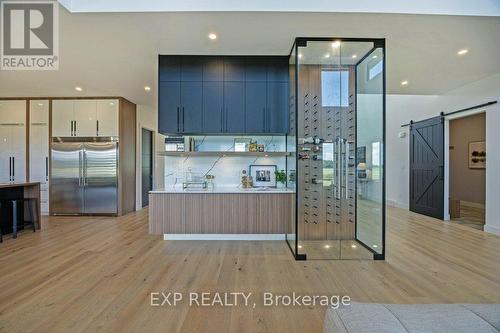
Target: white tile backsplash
{"points": [[227, 170]]}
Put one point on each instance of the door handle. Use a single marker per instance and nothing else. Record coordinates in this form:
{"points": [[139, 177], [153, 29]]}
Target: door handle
{"points": [[183, 119], [222, 119], [79, 168], [178, 119], [46, 169], [346, 168]]}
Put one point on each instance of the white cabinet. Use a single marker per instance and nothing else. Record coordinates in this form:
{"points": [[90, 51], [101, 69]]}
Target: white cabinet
{"points": [[13, 152], [13, 112], [85, 118], [107, 117], [62, 117], [12, 141], [39, 149]]}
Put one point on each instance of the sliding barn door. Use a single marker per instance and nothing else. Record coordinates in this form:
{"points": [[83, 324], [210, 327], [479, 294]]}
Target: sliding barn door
{"points": [[427, 167]]}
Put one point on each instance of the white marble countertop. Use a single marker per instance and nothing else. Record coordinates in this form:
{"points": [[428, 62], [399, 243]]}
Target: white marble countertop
{"points": [[223, 189]]}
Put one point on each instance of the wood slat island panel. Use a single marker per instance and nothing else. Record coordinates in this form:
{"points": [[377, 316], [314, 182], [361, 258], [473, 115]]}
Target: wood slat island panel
{"points": [[220, 213]]}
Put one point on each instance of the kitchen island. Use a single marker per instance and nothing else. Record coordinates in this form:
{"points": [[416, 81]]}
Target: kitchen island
{"points": [[226, 213]]}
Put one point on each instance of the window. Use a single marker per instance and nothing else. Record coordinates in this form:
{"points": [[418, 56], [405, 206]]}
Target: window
{"points": [[375, 70], [335, 88]]}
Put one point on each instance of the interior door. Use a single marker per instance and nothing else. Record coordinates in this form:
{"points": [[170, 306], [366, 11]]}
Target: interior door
{"points": [[66, 191], [100, 177], [147, 165], [427, 167]]}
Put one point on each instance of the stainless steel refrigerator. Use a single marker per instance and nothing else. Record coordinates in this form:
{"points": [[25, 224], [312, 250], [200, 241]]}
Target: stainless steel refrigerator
{"points": [[84, 176]]}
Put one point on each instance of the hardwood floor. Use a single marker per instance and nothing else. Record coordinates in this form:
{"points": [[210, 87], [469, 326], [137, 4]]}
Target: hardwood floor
{"points": [[96, 274]]}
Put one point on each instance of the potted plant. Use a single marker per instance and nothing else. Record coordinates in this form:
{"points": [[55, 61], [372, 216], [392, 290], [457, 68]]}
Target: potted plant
{"points": [[280, 178]]}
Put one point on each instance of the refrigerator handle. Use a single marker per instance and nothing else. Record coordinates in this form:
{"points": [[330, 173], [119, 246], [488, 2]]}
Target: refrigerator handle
{"points": [[79, 168], [85, 181]]}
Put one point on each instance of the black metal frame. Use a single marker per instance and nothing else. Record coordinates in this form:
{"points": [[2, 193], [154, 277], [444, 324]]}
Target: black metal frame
{"points": [[377, 43]]}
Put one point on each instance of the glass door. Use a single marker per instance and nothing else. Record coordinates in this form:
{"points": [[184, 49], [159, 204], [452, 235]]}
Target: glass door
{"points": [[326, 78]]}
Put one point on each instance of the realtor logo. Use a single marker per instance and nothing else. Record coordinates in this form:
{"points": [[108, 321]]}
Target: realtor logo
{"points": [[29, 35]]}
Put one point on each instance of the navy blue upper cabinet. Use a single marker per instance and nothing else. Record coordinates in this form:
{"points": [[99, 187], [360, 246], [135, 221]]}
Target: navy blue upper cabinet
{"points": [[226, 94], [255, 107], [256, 69], [234, 107], [169, 105], [191, 107], [234, 69], [277, 69], [277, 107], [192, 68], [213, 69], [213, 105], [169, 68]]}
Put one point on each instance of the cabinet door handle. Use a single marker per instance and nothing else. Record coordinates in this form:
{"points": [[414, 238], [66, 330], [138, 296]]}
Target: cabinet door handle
{"points": [[183, 119], [13, 168], [178, 120], [75, 128], [222, 119], [97, 127], [10, 169], [46, 169]]}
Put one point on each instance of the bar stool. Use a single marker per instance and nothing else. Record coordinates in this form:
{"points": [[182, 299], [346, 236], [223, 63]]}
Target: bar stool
{"points": [[32, 205]]}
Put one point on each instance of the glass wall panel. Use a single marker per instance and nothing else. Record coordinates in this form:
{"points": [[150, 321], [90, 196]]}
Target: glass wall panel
{"points": [[370, 151], [326, 127]]}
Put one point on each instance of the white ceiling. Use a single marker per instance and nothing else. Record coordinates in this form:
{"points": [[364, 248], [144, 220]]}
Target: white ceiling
{"points": [[116, 53], [442, 7]]}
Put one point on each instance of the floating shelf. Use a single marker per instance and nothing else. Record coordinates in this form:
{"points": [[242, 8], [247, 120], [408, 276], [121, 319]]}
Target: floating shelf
{"points": [[224, 153]]}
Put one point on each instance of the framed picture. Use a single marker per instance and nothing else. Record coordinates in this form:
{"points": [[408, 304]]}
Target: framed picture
{"points": [[263, 175], [241, 144], [477, 155]]}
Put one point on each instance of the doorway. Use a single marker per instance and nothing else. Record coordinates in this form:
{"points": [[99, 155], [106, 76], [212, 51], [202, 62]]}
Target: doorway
{"points": [[146, 165], [467, 170]]}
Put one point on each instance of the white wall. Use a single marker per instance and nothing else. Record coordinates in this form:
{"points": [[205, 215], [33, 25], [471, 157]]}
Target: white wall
{"points": [[400, 110]]}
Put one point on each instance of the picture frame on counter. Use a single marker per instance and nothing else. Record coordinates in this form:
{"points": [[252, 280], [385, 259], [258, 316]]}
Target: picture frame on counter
{"points": [[263, 175], [242, 144]]}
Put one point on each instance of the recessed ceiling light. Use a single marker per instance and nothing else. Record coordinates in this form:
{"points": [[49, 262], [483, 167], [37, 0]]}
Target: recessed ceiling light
{"points": [[336, 44], [300, 246], [147, 88], [327, 246], [375, 57], [462, 52], [327, 55], [78, 88], [353, 246], [212, 36], [404, 83], [111, 103], [40, 104], [375, 245], [354, 56], [300, 55]]}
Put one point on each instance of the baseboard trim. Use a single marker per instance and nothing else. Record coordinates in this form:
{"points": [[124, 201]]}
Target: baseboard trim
{"points": [[492, 230], [243, 237], [393, 203]]}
